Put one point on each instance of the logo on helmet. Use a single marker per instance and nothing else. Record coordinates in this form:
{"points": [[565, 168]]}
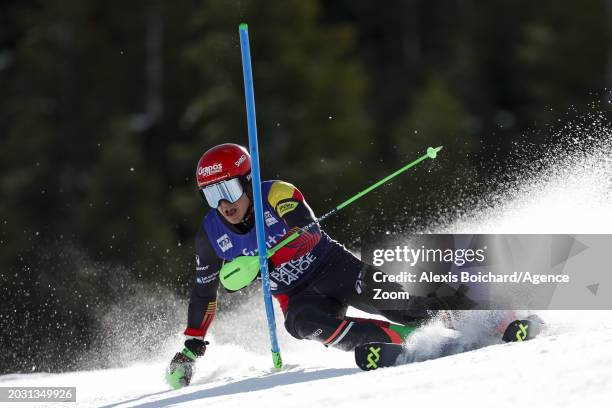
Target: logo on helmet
{"points": [[208, 170], [240, 160]]}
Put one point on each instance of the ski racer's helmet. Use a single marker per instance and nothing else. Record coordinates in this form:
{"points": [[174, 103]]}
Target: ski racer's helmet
{"points": [[224, 173]]}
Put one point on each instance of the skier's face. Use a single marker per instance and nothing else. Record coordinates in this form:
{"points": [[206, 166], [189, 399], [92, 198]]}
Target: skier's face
{"points": [[234, 212]]}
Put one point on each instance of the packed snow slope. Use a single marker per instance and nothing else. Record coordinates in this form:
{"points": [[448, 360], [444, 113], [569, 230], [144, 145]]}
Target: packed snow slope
{"points": [[570, 364]]}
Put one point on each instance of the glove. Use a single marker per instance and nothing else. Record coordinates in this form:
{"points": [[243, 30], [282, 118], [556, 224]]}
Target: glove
{"points": [[180, 370]]}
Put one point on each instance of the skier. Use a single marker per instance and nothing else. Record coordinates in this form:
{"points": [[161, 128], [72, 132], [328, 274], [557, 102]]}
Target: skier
{"points": [[314, 278]]}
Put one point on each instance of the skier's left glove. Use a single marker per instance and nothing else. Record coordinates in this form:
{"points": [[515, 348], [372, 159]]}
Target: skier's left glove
{"points": [[180, 370]]}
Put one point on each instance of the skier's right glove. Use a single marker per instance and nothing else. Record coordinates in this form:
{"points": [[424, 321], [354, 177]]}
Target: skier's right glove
{"points": [[180, 370]]}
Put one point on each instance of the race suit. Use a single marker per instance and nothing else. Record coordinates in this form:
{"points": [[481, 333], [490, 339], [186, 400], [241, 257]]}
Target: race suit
{"points": [[314, 278]]}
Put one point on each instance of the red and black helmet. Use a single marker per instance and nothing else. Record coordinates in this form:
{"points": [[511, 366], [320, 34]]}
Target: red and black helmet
{"points": [[223, 162]]}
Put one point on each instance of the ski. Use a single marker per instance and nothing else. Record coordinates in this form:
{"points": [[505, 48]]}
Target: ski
{"points": [[523, 330], [371, 356]]}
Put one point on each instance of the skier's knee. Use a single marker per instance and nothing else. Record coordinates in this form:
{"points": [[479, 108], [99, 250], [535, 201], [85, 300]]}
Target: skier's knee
{"points": [[289, 324], [307, 322], [295, 321]]}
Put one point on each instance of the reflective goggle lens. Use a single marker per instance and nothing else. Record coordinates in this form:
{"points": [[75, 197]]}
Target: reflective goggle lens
{"points": [[230, 190]]}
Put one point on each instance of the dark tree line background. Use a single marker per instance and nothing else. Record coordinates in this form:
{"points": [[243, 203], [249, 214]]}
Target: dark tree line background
{"points": [[106, 107]]}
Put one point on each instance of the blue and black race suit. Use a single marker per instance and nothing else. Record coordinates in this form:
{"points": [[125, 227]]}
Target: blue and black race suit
{"points": [[314, 281]]}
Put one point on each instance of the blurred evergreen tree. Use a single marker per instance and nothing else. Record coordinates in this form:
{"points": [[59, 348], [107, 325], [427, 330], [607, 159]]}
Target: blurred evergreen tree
{"points": [[435, 118], [120, 192], [73, 70], [309, 91], [564, 57]]}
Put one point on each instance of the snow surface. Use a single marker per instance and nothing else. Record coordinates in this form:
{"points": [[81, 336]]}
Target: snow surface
{"points": [[570, 364]]}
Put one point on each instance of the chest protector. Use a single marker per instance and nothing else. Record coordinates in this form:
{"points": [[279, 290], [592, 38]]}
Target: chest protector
{"points": [[229, 245]]}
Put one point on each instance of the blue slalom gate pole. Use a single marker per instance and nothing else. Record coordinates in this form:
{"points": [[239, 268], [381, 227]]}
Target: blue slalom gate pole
{"points": [[249, 95]]}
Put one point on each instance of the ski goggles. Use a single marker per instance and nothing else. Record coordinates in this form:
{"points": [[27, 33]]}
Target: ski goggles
{"points": [[230, 190]]}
